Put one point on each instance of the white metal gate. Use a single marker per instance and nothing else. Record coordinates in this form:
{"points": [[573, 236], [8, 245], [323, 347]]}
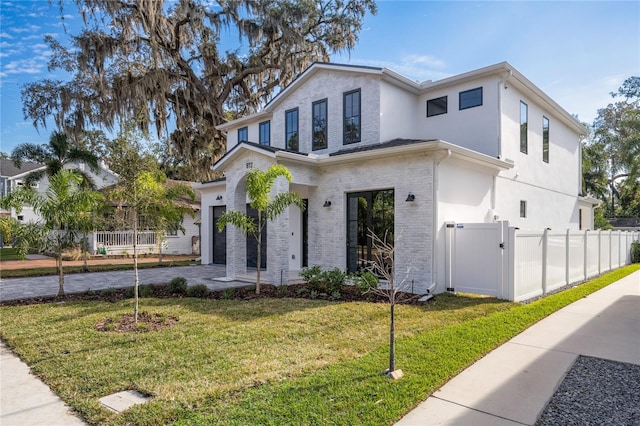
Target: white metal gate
{"points": [[474, 258]]}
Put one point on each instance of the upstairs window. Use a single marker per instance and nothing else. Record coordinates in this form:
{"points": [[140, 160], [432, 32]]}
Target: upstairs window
{"points": [[545, 139], [243, 134], [265, 133], [352, 117], [437, 106], [319, 117], [470, 98], [291, 129], [524, 127]]}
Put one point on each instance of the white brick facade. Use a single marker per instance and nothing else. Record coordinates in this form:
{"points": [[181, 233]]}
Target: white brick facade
{"points": [[460, 166]]}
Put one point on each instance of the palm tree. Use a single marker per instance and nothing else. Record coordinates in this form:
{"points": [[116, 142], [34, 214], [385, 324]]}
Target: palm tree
{"points": [[259, 184], [54, 155], [60, 208]]}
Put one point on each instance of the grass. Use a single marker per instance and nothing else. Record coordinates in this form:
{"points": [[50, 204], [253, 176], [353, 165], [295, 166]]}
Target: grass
{"points": [[39, 272], [9, 254], [266, 361]]}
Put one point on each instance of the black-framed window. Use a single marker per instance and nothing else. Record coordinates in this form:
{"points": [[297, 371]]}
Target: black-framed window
{"points": [[470, 98], [319, 126], [264, 130], [243, 134], [352, 124], [523, 208], [437, 106], [524, 127], [545, 139], [291, 129]]}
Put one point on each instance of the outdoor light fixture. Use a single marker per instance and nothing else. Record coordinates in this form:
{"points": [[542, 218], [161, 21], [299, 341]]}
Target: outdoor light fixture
{"points": [[410, 197], [219, 197], [327, 204]]}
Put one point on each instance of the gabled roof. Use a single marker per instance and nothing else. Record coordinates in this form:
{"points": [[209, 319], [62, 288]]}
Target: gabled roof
{"points": [[251, 146], [503, 69], [8, 169]]}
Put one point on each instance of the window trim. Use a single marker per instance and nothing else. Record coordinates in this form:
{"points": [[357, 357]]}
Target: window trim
{"points": [[523, 209], [260, 127], [432, 102], [461, 94], [326, 124], [243, 129], [524, 148], [545, 139], [344, 116], [286, 132]]}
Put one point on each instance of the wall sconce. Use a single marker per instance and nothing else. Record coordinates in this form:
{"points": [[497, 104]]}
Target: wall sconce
{"points": [[327, 204], [219, 197], [411, 197]]}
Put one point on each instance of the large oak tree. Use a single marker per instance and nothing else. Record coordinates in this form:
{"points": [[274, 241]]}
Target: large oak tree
{"points": [[184, 67]]}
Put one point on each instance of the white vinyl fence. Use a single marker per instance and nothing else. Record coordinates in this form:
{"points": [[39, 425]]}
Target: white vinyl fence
{"points": [[531, 263], [121, 242]]}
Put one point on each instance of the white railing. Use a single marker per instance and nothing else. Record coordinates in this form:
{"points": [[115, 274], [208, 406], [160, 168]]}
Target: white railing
{"points": [[120, 242], [545, 261]]}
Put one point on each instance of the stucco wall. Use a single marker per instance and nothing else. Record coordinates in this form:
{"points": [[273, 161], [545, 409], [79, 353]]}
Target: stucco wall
{"points": [[182, 243]]}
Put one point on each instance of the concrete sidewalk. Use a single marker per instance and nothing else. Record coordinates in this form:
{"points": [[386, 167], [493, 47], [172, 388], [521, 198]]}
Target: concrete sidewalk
{"points": [[25, 400], [512, 384]]}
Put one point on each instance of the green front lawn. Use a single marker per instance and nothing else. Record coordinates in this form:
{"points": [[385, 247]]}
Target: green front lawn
{"points": [[9, 254], [266, 361]]}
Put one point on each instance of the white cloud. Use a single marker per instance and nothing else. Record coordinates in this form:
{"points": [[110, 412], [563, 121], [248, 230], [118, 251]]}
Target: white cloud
{"points": [[27, 29], [6, 35], [416, 67]]}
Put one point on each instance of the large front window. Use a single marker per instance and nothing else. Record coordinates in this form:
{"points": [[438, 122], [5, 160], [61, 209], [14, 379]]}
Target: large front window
{"points": [[352, 117], [370, 211], [319, 116], [291, 129]]}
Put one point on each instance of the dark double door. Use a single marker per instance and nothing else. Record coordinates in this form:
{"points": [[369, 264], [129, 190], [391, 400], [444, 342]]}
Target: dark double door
{"points": [[367, 211]]}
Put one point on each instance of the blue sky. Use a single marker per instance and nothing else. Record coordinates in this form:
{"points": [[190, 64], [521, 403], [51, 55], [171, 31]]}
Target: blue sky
{"points": [[575, 51]]}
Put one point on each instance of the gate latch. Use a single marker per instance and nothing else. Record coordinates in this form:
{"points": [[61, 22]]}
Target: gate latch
{"points": [[502, 245]]}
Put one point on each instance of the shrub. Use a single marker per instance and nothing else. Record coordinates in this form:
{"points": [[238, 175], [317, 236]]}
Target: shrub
{"points": [[313, 276], [198, 290], [227, 294], [145, 290], [178, 285], [333, 280], [108, 291], [365, 281], [635, 252]]}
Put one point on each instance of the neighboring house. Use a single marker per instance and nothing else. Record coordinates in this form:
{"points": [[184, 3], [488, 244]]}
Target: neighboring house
{"points": [[104, 241], [371, 149], [625, 223]]}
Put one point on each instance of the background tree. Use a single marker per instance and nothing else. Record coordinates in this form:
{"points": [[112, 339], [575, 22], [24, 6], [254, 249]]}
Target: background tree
{"points": [[59, 207], [259, 185], [612, 153], [141, 191], [54, 155], [171, 65]]}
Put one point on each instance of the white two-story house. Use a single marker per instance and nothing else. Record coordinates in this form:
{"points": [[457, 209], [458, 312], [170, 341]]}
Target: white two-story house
{"points": [[371, 149]]}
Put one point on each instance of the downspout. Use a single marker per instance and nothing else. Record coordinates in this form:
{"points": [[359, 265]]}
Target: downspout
{"points": [[434, 260]]}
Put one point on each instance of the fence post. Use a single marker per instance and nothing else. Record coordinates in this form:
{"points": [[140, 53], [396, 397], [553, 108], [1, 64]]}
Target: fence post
{"points": [[599, 251], [586, 253], [511, 277], [545, 240], [567, 264], [610, 248]]}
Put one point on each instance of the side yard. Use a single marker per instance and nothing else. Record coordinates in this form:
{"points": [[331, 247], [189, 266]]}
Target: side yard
{"points": [[269, 360]]}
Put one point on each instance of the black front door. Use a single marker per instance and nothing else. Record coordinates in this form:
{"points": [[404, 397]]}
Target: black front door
{"points": [[252, 243], [305, 234], [219, 238], [367, 211]]}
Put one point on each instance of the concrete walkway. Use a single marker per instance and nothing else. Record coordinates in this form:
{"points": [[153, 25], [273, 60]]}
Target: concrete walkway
{"points": [[512, 384], [23, 288]]}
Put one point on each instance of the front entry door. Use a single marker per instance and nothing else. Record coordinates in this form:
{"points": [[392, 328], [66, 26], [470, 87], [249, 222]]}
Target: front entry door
{"points": [[252, 243], [371, 210], [219, 242]]}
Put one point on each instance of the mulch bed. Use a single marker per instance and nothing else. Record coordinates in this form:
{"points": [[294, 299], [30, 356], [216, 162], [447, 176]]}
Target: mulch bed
{"points": [[127, 324]]}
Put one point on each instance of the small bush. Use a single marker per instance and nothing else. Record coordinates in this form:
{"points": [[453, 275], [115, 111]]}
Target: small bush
{"points": [[313, 276], [333, 280], [145, 290], [227, 294], [198, 290], [108, 292], [178, 285], [365, 281], [635, 252], [335, 295], [313, 294]]}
